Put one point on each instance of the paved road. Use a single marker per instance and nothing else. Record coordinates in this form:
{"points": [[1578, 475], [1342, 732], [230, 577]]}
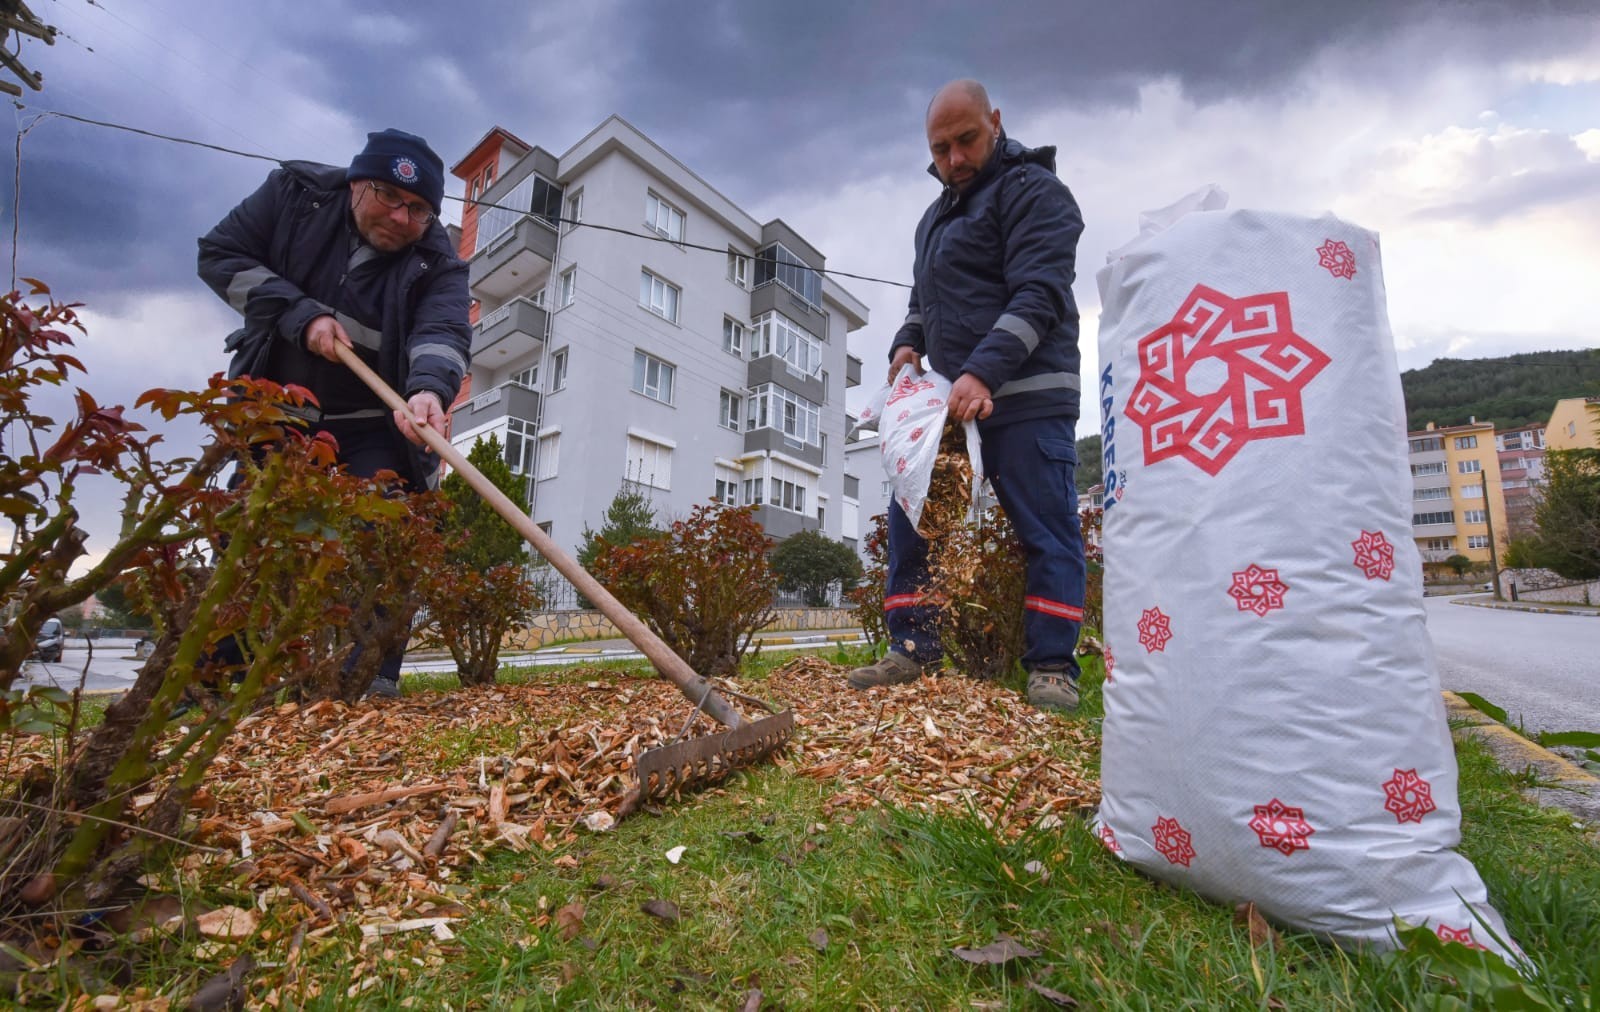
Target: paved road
{"points": [[1543, 670]]}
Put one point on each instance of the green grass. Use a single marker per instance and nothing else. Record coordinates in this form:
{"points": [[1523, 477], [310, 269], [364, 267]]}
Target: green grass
{"points": [[768, 871]]}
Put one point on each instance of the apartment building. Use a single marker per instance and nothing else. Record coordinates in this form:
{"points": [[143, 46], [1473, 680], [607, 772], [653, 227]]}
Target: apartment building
{"points": [[602, 358], [1451, 470], [1521, 453], [1574, 424], [863, 465]]}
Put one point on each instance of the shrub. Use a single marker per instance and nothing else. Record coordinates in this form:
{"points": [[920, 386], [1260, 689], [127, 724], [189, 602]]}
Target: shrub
{"points": [[979, 579], [704, 587], [811, 562], [867, 598]]}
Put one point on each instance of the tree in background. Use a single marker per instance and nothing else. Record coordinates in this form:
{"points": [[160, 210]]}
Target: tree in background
{"points": [[484, 593], [1459, 564], [1088, 472], [1567, 538], [811, 562], [630, 518]]}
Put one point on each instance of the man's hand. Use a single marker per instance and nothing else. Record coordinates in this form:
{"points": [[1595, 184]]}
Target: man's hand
{"points": [[428, 412], [904, 355], [970, 398], [321, 334]]}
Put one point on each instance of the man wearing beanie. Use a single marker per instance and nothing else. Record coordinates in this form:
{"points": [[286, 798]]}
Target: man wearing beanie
{"points": [[320, 255]]}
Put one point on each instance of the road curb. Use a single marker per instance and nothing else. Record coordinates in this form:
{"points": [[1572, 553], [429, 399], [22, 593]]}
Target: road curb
{"points": [[1571, 786], [1540, 609]]}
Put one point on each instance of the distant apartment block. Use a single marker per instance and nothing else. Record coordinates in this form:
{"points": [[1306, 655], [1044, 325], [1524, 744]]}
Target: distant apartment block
{"points": [[1452, 469], [1574, 425], [602, 359], [1521, 453]]}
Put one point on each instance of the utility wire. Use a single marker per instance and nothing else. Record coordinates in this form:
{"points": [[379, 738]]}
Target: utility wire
{"points": [[653, 237]]}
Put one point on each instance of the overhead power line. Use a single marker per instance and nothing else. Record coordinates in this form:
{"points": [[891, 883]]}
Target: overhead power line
{"points": [[651, 236]]}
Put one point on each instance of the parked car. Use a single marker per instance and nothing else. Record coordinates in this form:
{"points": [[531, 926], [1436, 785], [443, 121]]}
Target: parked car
{"points": [[51, 641]]}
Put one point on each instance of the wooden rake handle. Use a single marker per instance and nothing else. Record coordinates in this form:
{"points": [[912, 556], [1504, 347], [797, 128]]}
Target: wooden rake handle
{"points": [[671, 667]]}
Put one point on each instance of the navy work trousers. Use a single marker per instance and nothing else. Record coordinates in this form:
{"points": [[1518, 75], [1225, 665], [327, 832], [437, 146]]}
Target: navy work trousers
{"points": [[1030, 465]]}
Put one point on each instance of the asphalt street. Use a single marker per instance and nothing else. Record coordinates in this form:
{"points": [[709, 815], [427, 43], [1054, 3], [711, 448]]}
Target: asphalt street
{"points": [[1542, 669]]}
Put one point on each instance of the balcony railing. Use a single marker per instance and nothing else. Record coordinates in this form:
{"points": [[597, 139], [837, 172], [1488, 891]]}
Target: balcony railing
{"points": [[508, 333], [514, 260]]}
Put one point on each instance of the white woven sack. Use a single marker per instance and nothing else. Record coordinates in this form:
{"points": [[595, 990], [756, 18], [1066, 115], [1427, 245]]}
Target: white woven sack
{"points": [[1274, 729], [909, 414]]}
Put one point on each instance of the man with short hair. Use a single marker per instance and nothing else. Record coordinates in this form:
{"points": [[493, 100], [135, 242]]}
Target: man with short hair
{"points": [[321, 255], [992, 310]]}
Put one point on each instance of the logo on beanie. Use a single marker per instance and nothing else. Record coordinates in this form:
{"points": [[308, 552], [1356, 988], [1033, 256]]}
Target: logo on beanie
{"points": [[405, 170]]}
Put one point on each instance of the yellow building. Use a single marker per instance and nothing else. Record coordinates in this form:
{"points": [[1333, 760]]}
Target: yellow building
{"points": [[1574, 425], [1450, 469]]}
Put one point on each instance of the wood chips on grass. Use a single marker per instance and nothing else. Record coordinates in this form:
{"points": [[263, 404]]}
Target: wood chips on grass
{"points": [[372, 809]]}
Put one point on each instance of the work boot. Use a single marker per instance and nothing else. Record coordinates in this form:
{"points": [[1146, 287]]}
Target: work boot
{"points": [[1052, 689], [383, 688], [893, 669]]}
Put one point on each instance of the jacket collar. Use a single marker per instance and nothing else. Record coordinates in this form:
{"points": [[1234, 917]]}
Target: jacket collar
{"points": [[1007, 152]]}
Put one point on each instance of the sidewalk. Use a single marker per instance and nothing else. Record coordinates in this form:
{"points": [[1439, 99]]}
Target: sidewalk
{"points": [[1571, 787], [621, 648], [1546, 607]]}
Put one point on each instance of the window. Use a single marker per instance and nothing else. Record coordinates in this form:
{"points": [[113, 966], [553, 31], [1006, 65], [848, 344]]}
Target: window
{"points": [[1469, 466], [776, 263], [649, 462], [1427, 445], [658, 296], [772, 407], [1474, 516], [822, 515], [729, 413], [1438, 544], [752, 492], [568, 288], [776, 334], [573, 211], [527, 378], [558, 371], [652, 377], [787, 495], [1477, 541], [1466, 442], [520, 446], [1424, 519], [1572, 428], [727, 487], [738, 268], [732, 336], [533, 195], [662, 218], [549, 457], [1423, 470], [1472, 492], [1431, 493]]}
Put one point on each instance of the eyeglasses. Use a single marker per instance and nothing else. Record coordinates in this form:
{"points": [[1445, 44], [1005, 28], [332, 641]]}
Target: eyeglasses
{"points": [[419, 213]]}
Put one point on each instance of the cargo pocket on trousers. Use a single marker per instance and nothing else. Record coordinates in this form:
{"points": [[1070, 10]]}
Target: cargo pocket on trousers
{"points": [[1061, 458]]}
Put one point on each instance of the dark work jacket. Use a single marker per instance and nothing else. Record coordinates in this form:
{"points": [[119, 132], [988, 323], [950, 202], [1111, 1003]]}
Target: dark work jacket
{"points": [[992, 292], [280, 258]]}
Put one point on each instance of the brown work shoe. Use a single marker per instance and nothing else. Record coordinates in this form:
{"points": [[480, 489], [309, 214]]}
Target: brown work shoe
{"points": [[1050, 689], [893, 669]]}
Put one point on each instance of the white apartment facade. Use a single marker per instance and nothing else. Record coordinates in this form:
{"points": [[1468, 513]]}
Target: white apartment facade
{"points": [[602, 358]]}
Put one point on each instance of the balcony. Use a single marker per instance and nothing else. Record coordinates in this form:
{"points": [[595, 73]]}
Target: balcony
{"points": [[775, 441], [512, 261], [781, 523], [1436, 554], [774, 295], [506, 400], [508, 333], [772, 369], [852, 371], [1433, 530]]}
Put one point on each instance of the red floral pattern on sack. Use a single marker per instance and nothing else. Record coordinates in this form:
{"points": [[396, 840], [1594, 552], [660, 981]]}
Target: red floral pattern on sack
{"points": [[1173, 841], [1281, 827], [902, 416], [1338, 258], [1462, 935], [1258, 590], [916, 434], [900, 466], [1155, 630], [906, 386], [1409, 796], [1223, 372], [1109, 838], [1374, 555]]}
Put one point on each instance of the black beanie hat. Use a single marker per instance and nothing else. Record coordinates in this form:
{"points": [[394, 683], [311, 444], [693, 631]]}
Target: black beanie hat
{"points": [[404, 160]]}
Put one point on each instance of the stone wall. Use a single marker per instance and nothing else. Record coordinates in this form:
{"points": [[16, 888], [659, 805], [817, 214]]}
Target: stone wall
{"points": [[1543, 585], [564, 626]]}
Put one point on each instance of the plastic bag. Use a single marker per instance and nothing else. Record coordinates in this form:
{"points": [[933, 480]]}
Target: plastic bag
{"points": [[910, 413], [1274, 729]]}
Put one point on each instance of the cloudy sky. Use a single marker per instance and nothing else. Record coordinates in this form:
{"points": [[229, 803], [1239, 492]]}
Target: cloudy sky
{"points": [[1467, 134]]}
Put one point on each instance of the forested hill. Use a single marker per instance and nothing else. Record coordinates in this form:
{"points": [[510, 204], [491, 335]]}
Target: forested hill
{"points": [[1512, 391]]}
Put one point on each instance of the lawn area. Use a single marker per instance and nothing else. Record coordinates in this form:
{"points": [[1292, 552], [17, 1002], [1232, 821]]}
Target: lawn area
{"points": [[900, 828]]}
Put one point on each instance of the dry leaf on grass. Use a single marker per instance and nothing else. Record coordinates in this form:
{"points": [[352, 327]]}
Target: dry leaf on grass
{"points": [[1002, 950], [1052, 996], [663, 910], [1261, 933], [569, 921], [226, 922]]}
